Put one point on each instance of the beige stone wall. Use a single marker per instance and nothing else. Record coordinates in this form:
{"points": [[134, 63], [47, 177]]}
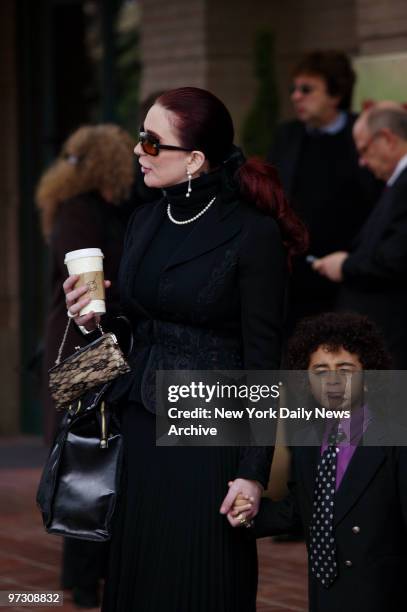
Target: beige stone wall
{"points": [[382, 26], [204, 43], [173, 44], [9, 231]]}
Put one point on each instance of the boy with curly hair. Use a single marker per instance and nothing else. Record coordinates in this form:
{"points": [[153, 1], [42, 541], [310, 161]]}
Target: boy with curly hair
{"points": [[350, 500]]}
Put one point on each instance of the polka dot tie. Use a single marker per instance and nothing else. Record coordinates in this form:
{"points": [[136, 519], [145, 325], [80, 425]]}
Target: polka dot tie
{"points": [[322, 548]]}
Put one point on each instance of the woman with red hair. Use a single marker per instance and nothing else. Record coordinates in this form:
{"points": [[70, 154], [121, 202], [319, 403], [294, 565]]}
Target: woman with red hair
{"points": [[202, 279]]}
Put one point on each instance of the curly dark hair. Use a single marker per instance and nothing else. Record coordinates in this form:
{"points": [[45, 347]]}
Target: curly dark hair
{"points": [[335, 68], [353, 332]]}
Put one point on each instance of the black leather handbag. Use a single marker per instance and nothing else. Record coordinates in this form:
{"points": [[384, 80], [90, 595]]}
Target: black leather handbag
{"points": [[79, 486]]}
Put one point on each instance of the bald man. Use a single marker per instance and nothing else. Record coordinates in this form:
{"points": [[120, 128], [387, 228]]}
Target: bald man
{"points": [[374, 273]]}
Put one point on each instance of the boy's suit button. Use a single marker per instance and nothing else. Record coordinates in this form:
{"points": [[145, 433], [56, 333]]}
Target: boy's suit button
{"points": [[348, 563], [356, 529]]}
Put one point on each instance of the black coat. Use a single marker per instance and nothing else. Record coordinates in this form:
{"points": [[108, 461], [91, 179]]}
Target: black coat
{"points": [[358, 184], [370, 528], [220, 302], [375, 273], [333, 196]]}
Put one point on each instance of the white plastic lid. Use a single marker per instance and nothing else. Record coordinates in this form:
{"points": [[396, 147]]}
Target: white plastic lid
{"points": [[82, 253]]}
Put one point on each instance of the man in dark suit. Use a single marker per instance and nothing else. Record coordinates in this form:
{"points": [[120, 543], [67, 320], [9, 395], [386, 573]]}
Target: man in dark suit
{"points": [[317, 161], [350, 499], [373, 275]]}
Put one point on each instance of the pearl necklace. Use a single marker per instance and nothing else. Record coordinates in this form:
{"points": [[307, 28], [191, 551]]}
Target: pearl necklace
{"points": [[171, 218]]}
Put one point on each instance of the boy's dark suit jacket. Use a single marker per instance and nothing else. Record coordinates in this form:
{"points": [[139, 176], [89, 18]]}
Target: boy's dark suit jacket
{"points": [[375, 273], [370, 528]]}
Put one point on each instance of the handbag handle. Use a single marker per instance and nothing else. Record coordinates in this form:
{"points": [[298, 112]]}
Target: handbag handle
{"points": [[61, 348]]}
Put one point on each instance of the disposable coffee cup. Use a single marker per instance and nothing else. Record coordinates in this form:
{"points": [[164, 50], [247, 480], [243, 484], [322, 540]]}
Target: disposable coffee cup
{"points": [[88, 264]]}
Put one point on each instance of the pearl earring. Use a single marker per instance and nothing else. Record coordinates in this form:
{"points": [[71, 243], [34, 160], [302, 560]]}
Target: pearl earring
{"points": [[188, 193]]}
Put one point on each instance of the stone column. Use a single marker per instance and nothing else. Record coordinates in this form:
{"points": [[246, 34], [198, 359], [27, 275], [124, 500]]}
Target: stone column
{"points": [[173, 44]]}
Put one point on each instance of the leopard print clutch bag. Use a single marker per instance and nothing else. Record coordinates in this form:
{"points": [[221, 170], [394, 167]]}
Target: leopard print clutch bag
{"points": [[93, 365]]}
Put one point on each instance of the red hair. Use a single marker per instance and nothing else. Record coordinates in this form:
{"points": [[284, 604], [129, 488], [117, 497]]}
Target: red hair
{"points": [[204, 123], [260, 184]]}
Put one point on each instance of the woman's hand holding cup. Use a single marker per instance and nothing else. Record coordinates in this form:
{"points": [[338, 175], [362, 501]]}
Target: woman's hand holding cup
{"points": [[76, 300], [85, 287]]}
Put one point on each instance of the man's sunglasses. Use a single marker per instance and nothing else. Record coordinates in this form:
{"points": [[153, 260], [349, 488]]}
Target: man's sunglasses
{"points": [[304, 89], [152, 146]]}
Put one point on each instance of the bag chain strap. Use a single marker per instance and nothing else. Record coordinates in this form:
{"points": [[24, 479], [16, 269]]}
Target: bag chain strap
{"points": [[61, 348]]}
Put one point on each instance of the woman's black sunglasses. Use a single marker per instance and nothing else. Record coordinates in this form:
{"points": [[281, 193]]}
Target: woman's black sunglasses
{"points": [[152, 146]]}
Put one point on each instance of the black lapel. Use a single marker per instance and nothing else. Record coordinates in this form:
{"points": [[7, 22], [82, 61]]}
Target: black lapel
{"points": [[217, 226], [362, 468]]}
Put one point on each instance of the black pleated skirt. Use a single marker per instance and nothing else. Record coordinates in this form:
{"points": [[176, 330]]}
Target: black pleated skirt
{"points": [[171, 550]]}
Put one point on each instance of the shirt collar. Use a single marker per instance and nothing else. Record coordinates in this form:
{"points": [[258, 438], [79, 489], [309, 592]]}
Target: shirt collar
{"points": [[332, 128], [398, 170]]}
